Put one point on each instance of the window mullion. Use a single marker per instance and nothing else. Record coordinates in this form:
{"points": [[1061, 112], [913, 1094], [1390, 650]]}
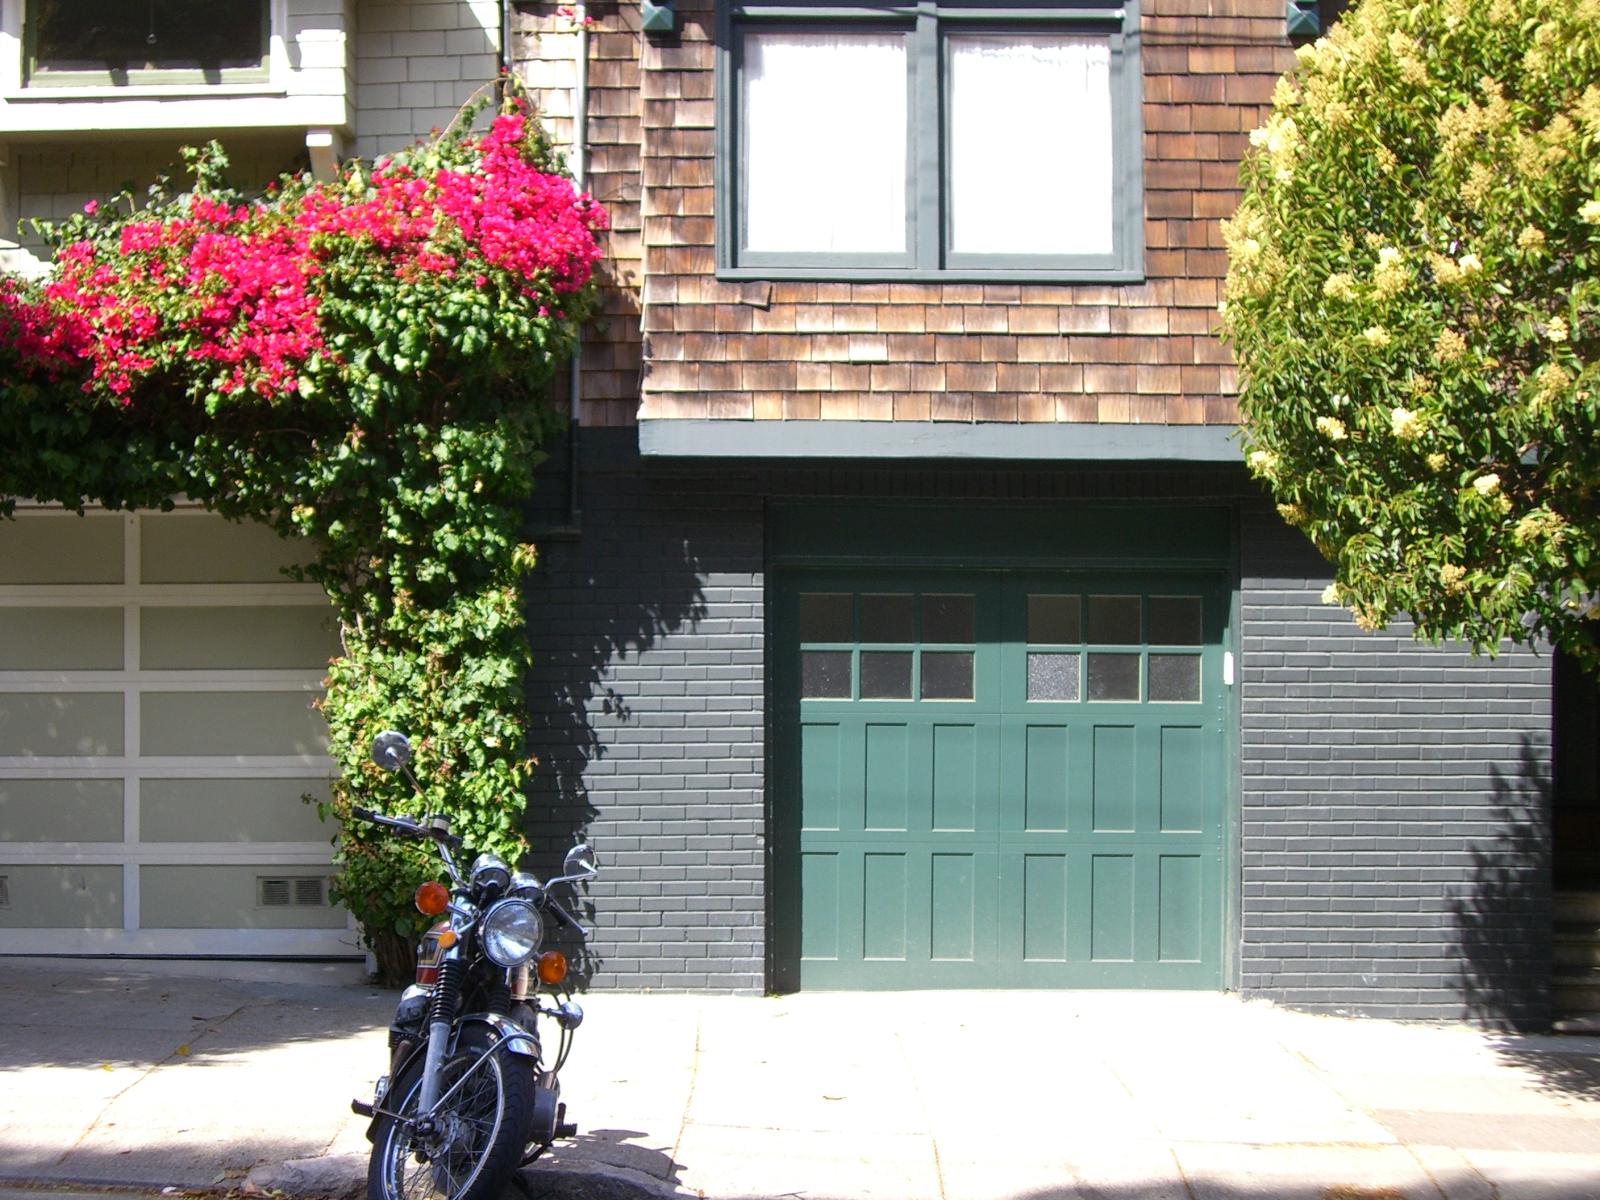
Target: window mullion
{"points": [[927, 157]]}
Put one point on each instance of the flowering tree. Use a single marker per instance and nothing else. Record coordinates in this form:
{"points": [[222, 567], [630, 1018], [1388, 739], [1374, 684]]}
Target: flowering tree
{"points": [[361, 363], [1412, 297]]}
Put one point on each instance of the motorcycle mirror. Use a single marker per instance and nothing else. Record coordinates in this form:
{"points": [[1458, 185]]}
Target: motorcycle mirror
{"points": [[391, 750], [579, 863]]}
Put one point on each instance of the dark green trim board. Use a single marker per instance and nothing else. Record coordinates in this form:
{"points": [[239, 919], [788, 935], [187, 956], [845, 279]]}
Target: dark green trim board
{"points": [[691, 438], [927, 256], [1087, 536]]}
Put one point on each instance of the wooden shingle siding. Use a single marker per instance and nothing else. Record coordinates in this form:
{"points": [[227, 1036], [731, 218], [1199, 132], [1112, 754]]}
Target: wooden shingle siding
{"points": [[911, 351]]}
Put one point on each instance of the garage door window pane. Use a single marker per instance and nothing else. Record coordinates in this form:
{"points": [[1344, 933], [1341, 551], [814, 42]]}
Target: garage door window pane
{"points": [[886, 675], [1054, 620], [949, 620], [886, 618], [1175, 677], [1052, 677], [825, 675], [1114, 620], [825, 142], [1113, 676], [1174, 620], [947, 676], [1063, 86], [825, 617]]}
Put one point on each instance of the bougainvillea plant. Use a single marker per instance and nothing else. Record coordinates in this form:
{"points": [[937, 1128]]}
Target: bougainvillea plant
{"points": [[362, 363], [1413, 299]]}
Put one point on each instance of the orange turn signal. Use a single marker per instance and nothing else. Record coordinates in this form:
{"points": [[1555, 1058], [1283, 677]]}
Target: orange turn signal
{"points": [[552, 967], [432, 898]]}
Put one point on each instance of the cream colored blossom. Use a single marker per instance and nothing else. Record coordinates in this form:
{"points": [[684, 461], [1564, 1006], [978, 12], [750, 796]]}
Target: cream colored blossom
{"points": [[1557, 330], [1445, 271], [1453, 576], [1407, 425], [1531, 239], [1263, 462], [1331, 428], [1292, 513], [1449, 346], [1438, 462], [1470, 264], [1330, 594], [1377, 335], [1589, 212], [1339, 286], [1487, 485], [1540, 523], [1391, 275]]}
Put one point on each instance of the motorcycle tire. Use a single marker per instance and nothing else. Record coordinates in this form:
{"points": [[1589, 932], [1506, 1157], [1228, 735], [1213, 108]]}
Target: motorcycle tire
{"points": [[483, 1128]]}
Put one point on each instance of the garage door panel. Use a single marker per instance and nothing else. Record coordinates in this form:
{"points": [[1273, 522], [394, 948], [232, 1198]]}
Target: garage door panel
{"points": [[885, 905], [60, 724], [1183, 778], [236, 637], [232, 724], [1180, 907], [955, 778], [1113, 804], [60, 810], [953, 897], [61, 897], [61, 549], [233, 810], [60, 639], [820, 879], [887, 784], [820, 775]]}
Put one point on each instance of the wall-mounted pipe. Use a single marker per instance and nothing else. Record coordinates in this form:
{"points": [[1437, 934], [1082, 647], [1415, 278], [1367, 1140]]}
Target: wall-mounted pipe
{"points": [[579, 163]]}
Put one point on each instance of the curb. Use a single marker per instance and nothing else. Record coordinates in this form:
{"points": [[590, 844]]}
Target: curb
{"points": [[344, 1177]]}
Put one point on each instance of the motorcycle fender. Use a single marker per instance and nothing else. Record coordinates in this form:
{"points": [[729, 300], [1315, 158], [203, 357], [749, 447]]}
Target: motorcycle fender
{"points": [[508, 1033]]}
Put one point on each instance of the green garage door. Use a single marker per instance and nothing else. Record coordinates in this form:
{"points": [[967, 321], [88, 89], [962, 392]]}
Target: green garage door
{"points": [[1003, 778]]}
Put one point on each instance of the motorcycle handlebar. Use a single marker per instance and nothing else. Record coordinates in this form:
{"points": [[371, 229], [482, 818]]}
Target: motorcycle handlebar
{"points": [[398, 824]]}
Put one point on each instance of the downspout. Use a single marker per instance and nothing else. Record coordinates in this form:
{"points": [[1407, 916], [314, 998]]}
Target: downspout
{"points": [[580, 182]]}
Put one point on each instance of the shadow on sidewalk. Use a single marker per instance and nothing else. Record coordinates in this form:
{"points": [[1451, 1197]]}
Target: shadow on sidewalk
{"points": [[122, 1019]]}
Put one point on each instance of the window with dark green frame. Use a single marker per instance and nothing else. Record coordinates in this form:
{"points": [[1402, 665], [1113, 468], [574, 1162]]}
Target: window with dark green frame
{"points": [[885, 142], [119, 43]]}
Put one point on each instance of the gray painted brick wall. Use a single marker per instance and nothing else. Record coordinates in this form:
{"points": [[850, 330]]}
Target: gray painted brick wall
{"points": [[1393, 830], [647, 701], [1395, 796]]}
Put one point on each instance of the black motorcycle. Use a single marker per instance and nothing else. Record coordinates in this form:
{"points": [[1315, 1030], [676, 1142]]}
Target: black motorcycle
{"points": [[470, 1096]]}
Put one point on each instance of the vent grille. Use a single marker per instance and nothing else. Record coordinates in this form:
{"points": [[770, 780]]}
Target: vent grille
{"points": [[304, 891], [5, 891]]}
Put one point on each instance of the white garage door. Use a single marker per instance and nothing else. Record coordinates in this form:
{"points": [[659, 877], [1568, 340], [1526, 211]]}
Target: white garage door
{"points": [[157, 734]]}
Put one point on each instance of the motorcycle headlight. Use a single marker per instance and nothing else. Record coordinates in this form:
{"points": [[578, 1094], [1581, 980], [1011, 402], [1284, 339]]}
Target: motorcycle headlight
{"points": [[511, 933]]}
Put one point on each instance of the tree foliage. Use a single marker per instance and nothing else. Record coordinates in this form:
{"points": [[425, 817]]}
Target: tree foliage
{"points": [[361, 363], [1413, 301]]}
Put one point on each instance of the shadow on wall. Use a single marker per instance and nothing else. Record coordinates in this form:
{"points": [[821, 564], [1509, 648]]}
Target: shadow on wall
{"points": [[593, 605], [1503, 913]]}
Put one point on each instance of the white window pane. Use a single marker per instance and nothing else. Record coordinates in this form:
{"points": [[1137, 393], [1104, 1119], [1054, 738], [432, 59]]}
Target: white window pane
{"points": [[825, 142], [1030, 144]]}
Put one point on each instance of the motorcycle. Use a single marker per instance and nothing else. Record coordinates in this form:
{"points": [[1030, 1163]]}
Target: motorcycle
{"points": [[470, 1097]]}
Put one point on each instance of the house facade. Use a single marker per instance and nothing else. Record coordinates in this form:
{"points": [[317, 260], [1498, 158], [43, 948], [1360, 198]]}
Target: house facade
{"points": [[905, 617]]}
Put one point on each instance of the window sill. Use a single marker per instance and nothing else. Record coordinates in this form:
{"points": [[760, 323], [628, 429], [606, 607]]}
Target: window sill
{"points": [[155, 91], [894, 275]]}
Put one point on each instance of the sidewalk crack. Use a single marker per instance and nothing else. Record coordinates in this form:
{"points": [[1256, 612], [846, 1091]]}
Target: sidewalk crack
{"points": [[183, 1051]]}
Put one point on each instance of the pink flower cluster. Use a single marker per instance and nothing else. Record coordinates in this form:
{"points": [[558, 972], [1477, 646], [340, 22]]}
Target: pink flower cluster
{"points": [[239, 287]]}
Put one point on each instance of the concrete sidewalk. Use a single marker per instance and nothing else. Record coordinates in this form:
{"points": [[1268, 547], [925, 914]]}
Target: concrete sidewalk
{"points": [[910, 1096]]}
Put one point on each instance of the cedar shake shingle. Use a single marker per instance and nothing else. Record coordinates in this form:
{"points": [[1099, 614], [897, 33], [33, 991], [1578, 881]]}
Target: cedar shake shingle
{"points": [[671, 341]]}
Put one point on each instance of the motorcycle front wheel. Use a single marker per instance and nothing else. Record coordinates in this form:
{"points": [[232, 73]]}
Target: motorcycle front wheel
{"points": [[477, 1137]]}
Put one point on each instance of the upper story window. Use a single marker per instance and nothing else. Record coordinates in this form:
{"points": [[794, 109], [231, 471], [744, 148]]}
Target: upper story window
{"points": [[117, 43], [930, 142]]}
